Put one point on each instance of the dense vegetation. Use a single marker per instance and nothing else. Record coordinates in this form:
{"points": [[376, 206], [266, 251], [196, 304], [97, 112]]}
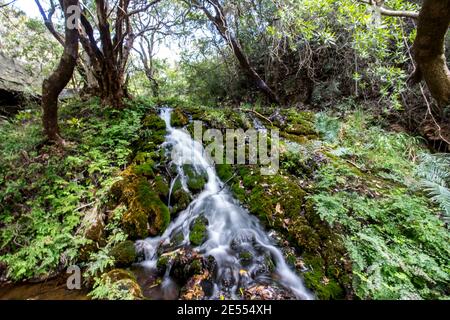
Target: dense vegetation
{"points": [[360, 205]]}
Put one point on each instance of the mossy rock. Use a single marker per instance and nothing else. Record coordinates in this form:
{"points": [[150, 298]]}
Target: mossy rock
{"points": [[197, 234], [195, 180], [125, 281], [135, 224], [124, 253], [162, 263], [299, 123], [180, 200], [245, 257], [154, 121], [146, 213], [178, 118], [161, 186], [185, 264], [145, 169]]}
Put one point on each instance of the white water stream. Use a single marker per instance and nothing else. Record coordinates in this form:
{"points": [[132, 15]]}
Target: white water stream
{"points": [[231, 229]]}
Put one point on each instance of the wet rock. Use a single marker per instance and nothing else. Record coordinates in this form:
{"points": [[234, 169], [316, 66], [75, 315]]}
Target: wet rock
{"points": [[245, 257], [184, 264], [124, 253], [201, 284], [267, 292], [163, 262], [227, 278], [197, 287]]}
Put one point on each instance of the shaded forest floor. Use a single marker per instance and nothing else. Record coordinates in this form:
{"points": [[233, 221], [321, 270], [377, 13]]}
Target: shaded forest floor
{"points": [[346, 205]]}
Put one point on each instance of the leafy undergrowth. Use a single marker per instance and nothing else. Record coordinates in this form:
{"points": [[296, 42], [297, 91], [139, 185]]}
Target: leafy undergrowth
{"points": [[45, 191], [398, 246]]}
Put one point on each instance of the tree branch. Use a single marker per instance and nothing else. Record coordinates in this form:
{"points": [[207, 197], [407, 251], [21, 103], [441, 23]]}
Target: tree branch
{"points": [[392, 13]]}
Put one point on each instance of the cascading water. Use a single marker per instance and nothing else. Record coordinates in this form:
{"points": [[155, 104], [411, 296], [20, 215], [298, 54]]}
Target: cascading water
{"points": [[230, 230]]}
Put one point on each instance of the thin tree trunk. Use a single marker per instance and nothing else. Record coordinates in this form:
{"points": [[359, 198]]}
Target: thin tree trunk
{"points": [[429, 49], [221, 25], [250, 71], [56, 82]]}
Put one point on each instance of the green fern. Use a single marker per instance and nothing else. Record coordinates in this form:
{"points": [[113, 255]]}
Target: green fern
{"points": [[434, 172]]}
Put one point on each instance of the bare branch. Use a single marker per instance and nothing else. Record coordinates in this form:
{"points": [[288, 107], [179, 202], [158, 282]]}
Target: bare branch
{"points": [[392, 13]]}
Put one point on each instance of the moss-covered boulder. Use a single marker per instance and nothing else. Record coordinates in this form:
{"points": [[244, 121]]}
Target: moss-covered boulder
{"points": [[161, 186], [198, 231], [195, 180], [146, 213], [184, 262], [178, 118], [124, 253], [180, 200], [125, 281]]}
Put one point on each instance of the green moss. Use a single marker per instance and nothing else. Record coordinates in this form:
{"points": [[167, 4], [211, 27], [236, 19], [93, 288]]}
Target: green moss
{"points": [[152, 204], [146, 213], [124, 253], [120, 274], [282, 204], [153, 121], [196, 267], [195, 181], [198, 231], [180, 200], [161, 187], [145, 169], [162, 263], [224, 171], [135, 224], [245, 257], [299, 126], [178, 118], [118, 283], [324, 288]]}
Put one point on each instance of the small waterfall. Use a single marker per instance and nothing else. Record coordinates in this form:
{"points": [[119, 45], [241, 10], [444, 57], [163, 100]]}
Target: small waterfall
{"points": [[230, 230]]}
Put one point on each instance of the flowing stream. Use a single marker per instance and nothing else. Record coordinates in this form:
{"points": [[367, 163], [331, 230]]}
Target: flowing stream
{"points": [[231, 230]]}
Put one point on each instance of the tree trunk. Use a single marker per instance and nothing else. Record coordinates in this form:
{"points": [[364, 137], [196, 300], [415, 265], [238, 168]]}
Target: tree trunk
{"points": [[111, 89], [55, 83], [429, 49], [219, 20], [251, 72]]}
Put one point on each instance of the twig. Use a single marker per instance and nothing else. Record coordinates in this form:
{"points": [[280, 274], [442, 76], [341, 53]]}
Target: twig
{"points": [[228, 180], [258, 114], [85, 205]]}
